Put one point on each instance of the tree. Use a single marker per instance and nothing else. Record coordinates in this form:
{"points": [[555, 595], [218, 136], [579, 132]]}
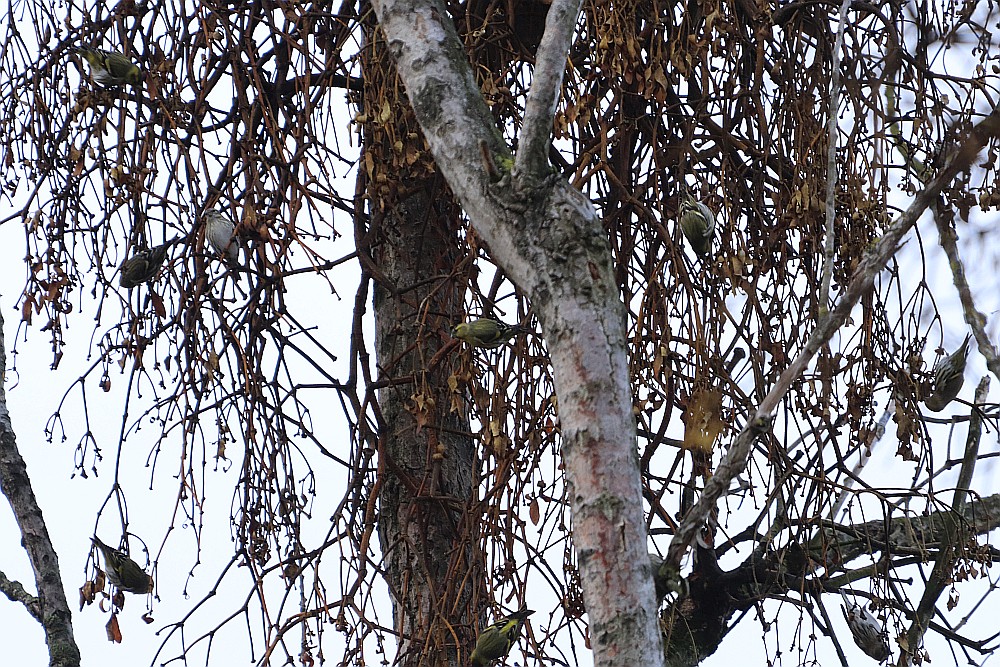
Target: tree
{"points": [[793, 340]]}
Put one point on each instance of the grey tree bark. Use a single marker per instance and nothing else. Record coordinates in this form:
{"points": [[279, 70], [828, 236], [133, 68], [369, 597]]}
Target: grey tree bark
{"points": [[427, 456], [49, 607]]}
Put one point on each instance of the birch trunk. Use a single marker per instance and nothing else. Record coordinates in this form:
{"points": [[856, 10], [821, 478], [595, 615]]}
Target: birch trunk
{"points": [[547, 238]]}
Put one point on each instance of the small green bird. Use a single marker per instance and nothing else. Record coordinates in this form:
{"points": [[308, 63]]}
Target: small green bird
{"points": [[949, 376], [143, 266], [220, 234], [485, 332], [697, 223], [494, 641], [122, 571], [110, 68]]}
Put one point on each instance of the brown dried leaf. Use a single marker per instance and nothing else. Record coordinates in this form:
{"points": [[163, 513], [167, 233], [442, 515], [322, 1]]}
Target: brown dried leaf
{"points": [[158, 305], [114, 632], [87, 594], [100, 581], [26, 309], [703, 422]]}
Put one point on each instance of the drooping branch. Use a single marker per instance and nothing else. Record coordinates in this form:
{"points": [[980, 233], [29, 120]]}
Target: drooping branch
{"points": [[50, 606], [735, 460]]}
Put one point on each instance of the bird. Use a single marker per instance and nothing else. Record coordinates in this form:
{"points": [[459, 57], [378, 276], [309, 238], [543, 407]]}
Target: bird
{"points": [[659, 583], [949, 376], [485, 332], [110, 68], [143, 266], [495, 640], [122, 571], [698, 224], [867, 631], [219, 233]]}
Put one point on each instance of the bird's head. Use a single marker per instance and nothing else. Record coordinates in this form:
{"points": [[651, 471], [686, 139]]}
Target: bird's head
{"points": [[135, 76]]}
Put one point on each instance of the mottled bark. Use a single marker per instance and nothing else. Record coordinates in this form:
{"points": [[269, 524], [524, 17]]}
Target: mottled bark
{"points": [[49, 607], [548, 239], [426, 458]]}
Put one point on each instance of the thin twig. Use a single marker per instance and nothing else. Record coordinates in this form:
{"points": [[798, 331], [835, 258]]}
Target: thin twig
{"points": [[831, 162], [735, 460], [975, 319]]}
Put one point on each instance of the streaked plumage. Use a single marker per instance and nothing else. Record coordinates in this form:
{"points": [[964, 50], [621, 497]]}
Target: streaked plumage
{"points": [[666, 579], [867, 631], [697, 223], [219, 233], [122, 571], [949, 376], [485, 332], [110, 68], [495, 641], [143, 266]]}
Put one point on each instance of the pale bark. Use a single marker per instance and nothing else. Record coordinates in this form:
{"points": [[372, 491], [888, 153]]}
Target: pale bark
{"points": [[547, 238]]}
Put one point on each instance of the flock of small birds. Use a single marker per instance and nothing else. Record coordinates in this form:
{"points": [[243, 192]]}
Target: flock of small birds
{"points": [[111, 69], [697, 223]]}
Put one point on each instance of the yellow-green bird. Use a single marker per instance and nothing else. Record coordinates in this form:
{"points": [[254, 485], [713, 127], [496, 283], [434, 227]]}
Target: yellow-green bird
{"points": [[122, 571], [494, 641], [485, 332], [110, 68], [143, 265], [697, 223], [949, 376]]}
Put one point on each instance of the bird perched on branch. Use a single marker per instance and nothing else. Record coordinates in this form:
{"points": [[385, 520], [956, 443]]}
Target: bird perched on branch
{"points": [[949, 376], [122, 571], [698, 224], [867, 631], [220, 234], [495, 640], [143, 266], [485, 332], [110, 68]]}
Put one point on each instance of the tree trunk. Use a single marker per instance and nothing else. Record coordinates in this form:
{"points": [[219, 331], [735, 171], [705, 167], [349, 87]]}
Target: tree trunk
{"points": [[426, 460], [547, 238]]}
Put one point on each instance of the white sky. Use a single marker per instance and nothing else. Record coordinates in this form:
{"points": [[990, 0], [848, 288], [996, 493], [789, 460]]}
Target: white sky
{"points": [[70, 504]]}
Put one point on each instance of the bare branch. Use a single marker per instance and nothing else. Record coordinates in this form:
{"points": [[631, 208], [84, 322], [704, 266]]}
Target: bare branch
{"points": [[735, 460], [50, 607], [952, 540], [547, 77]]}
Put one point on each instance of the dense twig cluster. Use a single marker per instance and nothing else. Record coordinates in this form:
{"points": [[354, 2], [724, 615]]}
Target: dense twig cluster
{"points": [[242, 109]]}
